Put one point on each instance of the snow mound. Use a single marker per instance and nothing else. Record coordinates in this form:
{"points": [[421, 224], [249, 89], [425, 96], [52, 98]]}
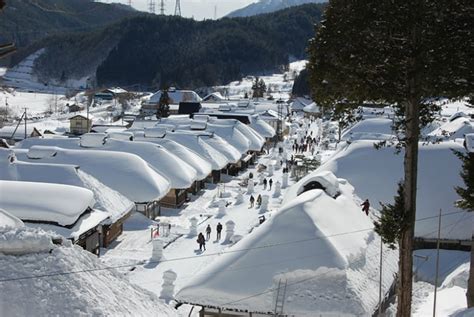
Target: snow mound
{"points": [[23, 240], [8, 221], [68, 280], [438, 173], [324, 247], [62, 204]]}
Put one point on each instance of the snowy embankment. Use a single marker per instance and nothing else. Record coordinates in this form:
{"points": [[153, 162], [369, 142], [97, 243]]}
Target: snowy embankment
{"points": [[367, 168], [323, 247], [53, 280]]}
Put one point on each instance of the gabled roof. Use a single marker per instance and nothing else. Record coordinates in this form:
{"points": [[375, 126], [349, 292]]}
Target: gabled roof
{"points": [[78, 116], [45, 202], [124, 172]]}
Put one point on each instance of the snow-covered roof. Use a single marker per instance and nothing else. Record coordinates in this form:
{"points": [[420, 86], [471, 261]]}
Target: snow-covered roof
{"points": [[256, 140], [325, 178], [9, 221], [215, 96], [321, 246], [18, 241], [44, 202], [469, 138], [231, 154], [370, 129], [454, 129], [299, 103], [197, 145], [262, 128], [33, 284], [312, 108], [202, 167], [142, 124], [123, 135], [177, 96], [179, 173], [364, 167], [124, 172]]}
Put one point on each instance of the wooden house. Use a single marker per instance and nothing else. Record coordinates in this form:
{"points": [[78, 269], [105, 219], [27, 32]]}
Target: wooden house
{"points": [[79, 125]]}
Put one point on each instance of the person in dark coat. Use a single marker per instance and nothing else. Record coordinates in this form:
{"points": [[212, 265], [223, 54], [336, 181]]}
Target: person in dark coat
{"points": [[259, 200], [264, 183], [219, 230], [252, 200], [208, 232], [201, 241], [365, 206], [270, 183]]}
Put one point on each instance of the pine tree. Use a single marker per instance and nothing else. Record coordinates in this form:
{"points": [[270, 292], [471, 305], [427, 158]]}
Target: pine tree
{"points": [[393, 220], [259, 88], [401, 53], [467, 203]]}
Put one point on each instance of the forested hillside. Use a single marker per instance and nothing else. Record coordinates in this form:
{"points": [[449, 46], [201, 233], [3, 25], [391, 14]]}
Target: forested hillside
{"points": [[26, 21], [165, 50]]}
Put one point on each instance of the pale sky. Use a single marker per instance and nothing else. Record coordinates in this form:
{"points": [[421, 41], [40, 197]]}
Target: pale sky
{"points": [[199, 9]]}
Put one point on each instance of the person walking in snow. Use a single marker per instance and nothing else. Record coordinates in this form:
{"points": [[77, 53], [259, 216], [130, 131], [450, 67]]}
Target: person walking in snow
{"points": [[219, 229], [201, 241], [208, 232], [264, 183], [252, 200], [259, 200], [365, 206], [270, 183]]}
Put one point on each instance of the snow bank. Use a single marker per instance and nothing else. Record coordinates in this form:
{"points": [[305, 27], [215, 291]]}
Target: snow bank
{"points": [[23, 240], [126, 173], [62, 204], [87, 288], [370, 129], [8, 221], [324, 247], [438, 173]]}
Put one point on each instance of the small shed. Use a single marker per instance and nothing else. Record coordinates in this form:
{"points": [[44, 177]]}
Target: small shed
{"points": [[79, 125]]}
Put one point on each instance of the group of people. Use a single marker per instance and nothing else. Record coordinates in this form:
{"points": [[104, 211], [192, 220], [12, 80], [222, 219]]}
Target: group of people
{"points": [[307, 143], [202, 241], [252, 201]]}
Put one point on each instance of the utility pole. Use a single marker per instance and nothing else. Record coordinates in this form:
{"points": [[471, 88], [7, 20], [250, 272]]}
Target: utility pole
{"points": [[177, 8], [380, 277], [215, 12], [162, 7], [437, 264], [151, 6], [26, 134]]}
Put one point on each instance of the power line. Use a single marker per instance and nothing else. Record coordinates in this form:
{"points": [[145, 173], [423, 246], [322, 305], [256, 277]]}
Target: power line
{"points": [[205, 255]]}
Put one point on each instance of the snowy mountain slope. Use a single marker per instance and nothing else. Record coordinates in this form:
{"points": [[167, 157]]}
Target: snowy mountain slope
{"points": [[92, 291], [267, 6]]}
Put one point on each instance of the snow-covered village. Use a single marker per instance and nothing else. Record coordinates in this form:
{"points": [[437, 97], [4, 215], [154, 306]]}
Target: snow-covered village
{"points": [[154, 161]]}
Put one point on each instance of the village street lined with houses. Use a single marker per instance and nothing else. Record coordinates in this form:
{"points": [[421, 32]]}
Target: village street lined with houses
{"points": [[258, 189]]}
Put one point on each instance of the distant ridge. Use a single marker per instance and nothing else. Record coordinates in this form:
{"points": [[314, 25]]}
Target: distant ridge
{"points": [[268, 6]]}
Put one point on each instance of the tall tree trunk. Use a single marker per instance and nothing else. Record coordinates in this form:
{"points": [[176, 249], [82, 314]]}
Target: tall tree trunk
{"points": [[412, 113], [470, 283]]}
